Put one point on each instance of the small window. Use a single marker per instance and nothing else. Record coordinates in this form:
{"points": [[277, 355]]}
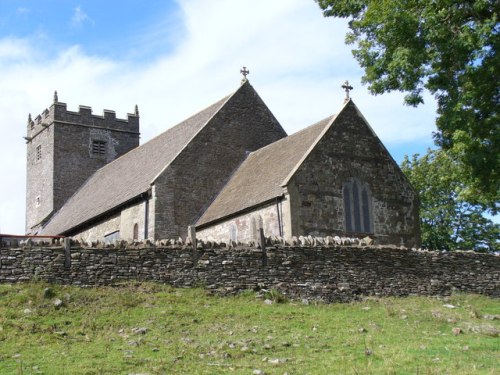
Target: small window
{"points": [[357, 207], [38, 153], [98, 147], [136, 231], [37, 201], [111, 237]]}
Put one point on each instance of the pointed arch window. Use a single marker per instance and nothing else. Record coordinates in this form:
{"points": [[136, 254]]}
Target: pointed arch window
{"points": [[357, 207], [136, 231]]}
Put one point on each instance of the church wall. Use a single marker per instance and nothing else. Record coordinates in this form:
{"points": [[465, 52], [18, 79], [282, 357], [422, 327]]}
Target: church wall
{"points": [[163, 212], [131, 216], [348, 151], [122, 224], [245, 227], [39, 178], [98, 232], [191, 182]]}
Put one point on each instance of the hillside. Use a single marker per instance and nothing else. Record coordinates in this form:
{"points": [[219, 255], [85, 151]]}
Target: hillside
{"points": [[155, 329]]}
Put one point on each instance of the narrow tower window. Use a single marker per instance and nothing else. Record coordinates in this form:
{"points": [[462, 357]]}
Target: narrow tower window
{"points": [[357, 207], [38, 153], [98, 147]]}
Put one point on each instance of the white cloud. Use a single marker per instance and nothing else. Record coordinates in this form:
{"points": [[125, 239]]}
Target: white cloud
{"points": [[80, 17], [297, 60]]}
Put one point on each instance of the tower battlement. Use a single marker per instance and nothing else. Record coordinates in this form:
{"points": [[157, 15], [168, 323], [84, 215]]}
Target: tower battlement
{"points": [[58, 113]]}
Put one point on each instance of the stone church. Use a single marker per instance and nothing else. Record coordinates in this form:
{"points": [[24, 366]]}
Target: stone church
{"points": [[228, 170]]}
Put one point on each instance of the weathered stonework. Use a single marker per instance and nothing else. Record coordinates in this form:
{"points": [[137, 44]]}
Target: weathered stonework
{"points": [[245, 227], [351, 150], [140, 214], [343, 182], [65, 159], [187, 186], [328, 273]]}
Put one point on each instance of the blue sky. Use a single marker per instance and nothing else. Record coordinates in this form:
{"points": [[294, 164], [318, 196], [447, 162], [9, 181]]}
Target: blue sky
{"points": [[174, 58]]}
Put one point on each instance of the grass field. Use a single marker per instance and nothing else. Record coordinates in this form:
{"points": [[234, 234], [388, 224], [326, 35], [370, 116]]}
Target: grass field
{"points": [[155, 329]]}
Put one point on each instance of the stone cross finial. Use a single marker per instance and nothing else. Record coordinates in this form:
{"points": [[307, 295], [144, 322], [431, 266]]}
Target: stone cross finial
{"points": [[245, 72], [136, 110], [56, 99], [347, 88]]}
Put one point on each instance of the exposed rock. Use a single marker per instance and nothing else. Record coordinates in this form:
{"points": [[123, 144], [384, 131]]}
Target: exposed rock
{"points": [[58, 303], [140, 330]]}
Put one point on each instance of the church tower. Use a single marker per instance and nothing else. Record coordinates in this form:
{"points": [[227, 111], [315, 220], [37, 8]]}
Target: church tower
{"points": [[64, 149]]}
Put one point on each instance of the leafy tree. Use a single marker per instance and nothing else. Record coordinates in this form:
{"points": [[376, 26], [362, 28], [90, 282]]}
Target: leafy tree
{"points": [[448, 47], [447, 222]]}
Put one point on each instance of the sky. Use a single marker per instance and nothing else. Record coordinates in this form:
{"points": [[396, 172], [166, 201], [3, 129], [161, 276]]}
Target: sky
{"points": [[173, 58]]}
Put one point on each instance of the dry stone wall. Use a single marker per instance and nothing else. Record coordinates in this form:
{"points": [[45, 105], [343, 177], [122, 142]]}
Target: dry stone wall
{"points": [[323, 272]]}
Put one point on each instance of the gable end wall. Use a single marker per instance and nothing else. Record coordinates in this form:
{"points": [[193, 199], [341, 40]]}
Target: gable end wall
{"points": [[187, 187], [349, 150]]}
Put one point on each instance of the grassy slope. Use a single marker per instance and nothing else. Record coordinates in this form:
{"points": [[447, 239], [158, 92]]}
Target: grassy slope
{"points": [[188, 332]]}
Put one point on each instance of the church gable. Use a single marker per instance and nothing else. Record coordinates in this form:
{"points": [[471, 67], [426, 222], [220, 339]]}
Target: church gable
{"points": [[191, 182], [349, 185]]}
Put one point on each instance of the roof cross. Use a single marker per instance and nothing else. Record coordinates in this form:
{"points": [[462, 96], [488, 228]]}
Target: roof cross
{"points": [[347, 87], [245, 72]]}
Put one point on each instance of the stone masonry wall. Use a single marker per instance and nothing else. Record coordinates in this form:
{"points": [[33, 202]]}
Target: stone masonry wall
{"points": [[351, 151], [244, 228], [329, 273], [243, 124]]}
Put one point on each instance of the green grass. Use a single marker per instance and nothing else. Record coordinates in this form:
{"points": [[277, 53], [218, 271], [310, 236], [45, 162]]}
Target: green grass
{"points": [[155, 329]]}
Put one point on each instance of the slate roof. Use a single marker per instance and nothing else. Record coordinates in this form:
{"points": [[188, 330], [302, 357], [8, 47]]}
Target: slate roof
{"points": [[130, 175], [261, 176]]}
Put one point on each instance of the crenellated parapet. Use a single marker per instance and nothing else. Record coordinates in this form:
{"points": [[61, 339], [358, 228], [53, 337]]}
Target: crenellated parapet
{"points": [[58, 113]]}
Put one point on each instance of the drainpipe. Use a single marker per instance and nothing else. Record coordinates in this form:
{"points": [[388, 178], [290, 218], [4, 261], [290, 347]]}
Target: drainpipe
{"points": [[278, 201], [146, 216]]}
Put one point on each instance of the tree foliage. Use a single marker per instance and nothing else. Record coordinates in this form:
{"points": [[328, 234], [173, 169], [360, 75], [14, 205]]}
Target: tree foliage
{"points": [[450, 48], [448, 222]]}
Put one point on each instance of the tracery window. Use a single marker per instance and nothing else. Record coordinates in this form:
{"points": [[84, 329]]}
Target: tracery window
{"points": [[357, 207]]}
